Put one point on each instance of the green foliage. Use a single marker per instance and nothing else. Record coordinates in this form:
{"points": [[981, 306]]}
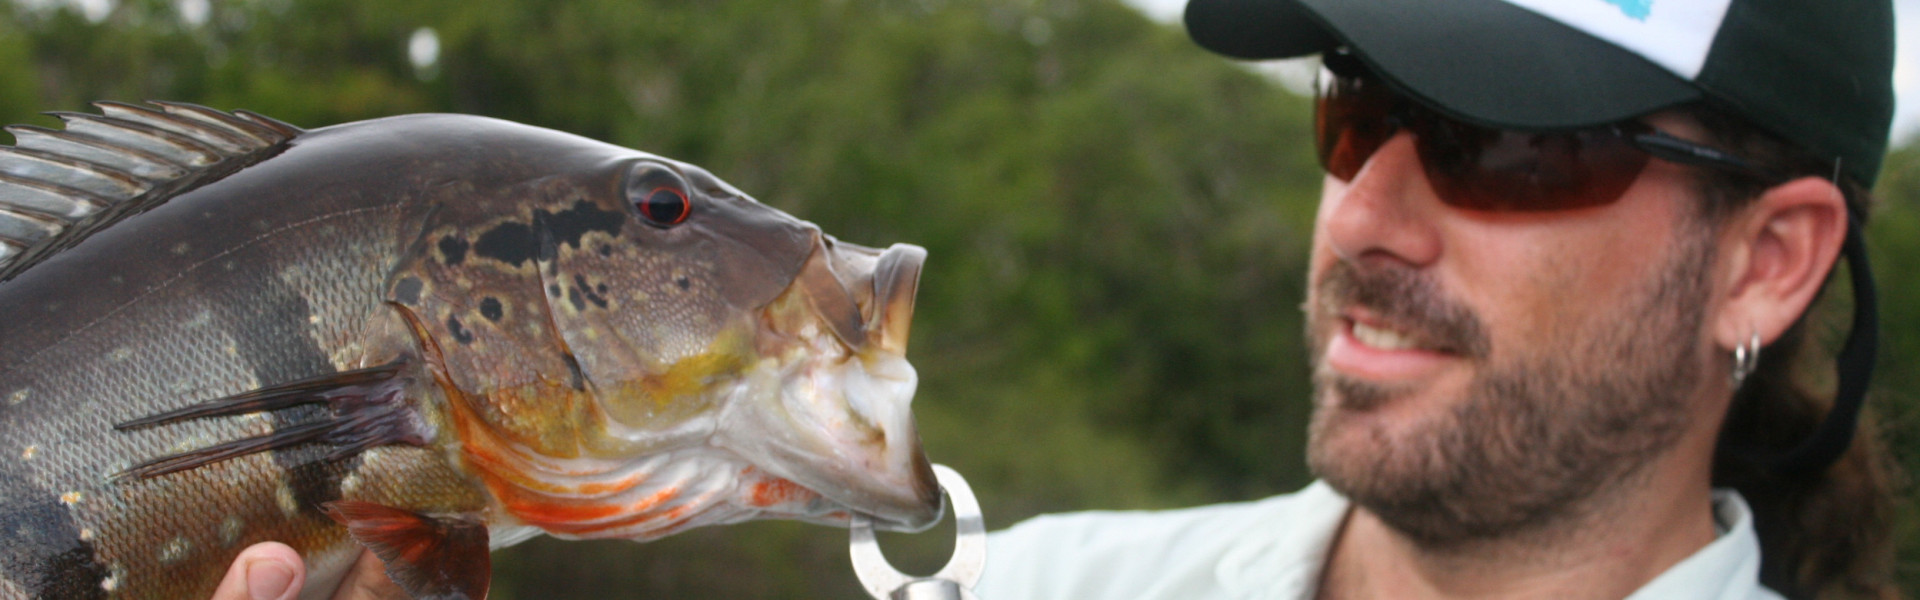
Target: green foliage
{"points": [[1893, 241], [1117, 221]]}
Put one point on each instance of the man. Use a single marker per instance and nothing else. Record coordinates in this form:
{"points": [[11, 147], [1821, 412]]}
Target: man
{"points": [[1561, 265]]}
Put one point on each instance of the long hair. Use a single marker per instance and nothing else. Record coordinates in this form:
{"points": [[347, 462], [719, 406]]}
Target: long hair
{"points": [[1828, 534]]}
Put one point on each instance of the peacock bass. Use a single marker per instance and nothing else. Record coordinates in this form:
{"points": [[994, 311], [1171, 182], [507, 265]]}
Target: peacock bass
{"points": [[431, 335]]}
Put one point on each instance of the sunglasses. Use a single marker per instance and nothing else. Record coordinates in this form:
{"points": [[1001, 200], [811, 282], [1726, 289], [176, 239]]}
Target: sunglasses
{"points": [[1482, 168]]}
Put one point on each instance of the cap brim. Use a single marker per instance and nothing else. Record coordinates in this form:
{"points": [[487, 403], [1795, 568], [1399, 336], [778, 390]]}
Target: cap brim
{"points": [[1482, 61]]}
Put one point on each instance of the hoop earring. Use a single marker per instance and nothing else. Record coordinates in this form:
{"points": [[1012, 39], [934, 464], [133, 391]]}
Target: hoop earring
{"points": [[1746, 358]]}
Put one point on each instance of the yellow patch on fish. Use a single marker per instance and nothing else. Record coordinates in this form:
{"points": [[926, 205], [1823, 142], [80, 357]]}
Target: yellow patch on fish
{"points": [[70, 498], [29, 453]]}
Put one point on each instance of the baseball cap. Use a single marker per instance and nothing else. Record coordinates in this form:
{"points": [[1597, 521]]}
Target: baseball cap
{"points": [[1819, 74]]}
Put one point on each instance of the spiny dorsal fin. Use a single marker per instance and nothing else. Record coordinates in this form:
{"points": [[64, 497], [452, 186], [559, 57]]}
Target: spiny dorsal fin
{"points": [[58, 186]]}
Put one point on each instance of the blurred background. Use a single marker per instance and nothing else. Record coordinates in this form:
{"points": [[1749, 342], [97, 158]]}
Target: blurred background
{"points": [[1117, 220]]}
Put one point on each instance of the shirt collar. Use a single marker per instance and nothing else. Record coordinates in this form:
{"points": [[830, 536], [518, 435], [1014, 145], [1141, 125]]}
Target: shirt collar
{"points": [[1728, 568], [1287, 565]]}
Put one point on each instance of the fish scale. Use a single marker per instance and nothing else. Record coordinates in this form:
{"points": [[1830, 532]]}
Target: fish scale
{"points": [[428, 331]]}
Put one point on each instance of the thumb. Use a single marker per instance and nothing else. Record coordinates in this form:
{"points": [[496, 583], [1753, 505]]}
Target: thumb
{"points": [[264, 571]]}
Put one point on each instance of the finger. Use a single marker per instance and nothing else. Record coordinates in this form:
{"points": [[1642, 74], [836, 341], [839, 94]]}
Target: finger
{"points": [[264, 571], [368, 580]]}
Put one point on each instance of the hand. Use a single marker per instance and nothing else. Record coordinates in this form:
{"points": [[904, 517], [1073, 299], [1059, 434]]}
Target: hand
{"points": [[273, 571]]}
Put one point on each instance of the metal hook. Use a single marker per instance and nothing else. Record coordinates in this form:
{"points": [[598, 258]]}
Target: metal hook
{"points": [[953, 581]]}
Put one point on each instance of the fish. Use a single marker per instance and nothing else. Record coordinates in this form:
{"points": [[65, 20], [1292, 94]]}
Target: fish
{"points": [[428, 336]]}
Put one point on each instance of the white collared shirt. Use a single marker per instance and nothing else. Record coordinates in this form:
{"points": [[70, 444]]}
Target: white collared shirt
{"points": [[1272, 549]]}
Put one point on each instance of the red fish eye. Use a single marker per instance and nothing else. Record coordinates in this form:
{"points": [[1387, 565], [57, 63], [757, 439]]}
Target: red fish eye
{"points": [[665, 206]]}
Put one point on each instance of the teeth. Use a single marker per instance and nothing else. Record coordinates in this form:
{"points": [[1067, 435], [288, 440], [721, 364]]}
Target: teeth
{"points": [[1381, 338]]}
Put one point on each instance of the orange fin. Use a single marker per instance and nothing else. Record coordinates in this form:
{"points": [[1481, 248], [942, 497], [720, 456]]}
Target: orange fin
{"points": [[431, 557], [367, 408]]}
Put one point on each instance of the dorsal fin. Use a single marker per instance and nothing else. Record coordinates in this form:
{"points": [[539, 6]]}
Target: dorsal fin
{"points": [[59, 186]]}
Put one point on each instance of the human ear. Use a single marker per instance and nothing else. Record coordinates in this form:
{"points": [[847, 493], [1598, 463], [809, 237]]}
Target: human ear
{"points": [[1776, 255]]}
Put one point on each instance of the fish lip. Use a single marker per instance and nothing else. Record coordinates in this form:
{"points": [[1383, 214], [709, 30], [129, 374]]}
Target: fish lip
{"points": [[905, 500], [921, 508], [896, 284]]}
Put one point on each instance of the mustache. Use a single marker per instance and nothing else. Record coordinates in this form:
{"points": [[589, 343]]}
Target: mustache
{"points": [[1409, 301]]}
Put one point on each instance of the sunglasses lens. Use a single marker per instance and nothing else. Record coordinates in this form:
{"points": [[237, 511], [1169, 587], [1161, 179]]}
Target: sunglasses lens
{"points": [[1472, 167], [1497, 170], [1352, 118]]}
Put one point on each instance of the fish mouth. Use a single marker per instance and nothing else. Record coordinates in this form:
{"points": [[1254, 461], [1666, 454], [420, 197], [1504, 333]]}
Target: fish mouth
{"points": [[864, 295], [842, 426]]}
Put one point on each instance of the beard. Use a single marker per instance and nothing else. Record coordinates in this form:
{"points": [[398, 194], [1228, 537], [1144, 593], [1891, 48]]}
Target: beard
{"points": [[1540, 431]]}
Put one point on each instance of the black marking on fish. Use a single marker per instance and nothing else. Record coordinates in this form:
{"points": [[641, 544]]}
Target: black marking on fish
{"points": [[407, 290], [510, 243], [57, 187], [606, 250], [573, 296], [43, 553], [459, 332], [549, 251], [683, 282], [579, 379], [515, 243], [270, 327], [491, 309], [587, 291], [553, 289], [570, 225], [453, 250]]}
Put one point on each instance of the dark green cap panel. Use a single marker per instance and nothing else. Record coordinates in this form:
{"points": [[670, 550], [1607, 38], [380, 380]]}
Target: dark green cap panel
{"points": [[1492, 63], [1817, 73]]}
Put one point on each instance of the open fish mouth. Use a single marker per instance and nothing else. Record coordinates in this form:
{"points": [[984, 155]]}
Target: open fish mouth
{"points": [[864, 295], [840, 426]]}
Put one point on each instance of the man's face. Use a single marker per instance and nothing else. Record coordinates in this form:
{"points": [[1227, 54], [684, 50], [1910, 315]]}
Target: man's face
{"points": [[1482, 373]]}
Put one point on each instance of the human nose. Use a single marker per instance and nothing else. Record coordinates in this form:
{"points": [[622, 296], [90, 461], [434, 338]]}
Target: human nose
{"points": [[1386, 212]]}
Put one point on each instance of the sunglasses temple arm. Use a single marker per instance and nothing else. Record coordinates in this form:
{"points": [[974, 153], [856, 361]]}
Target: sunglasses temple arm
{"points": [[1673, 149]]}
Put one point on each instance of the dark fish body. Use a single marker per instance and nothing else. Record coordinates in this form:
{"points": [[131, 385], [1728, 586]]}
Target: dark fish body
{"points": [[451, 318]]}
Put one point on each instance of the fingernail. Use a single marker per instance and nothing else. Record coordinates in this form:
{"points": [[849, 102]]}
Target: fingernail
{"points": [[268, 579]]}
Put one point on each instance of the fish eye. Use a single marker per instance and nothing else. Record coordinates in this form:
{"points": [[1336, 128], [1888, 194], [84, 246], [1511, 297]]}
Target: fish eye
{"points": [[660, 196], [665, 206]]}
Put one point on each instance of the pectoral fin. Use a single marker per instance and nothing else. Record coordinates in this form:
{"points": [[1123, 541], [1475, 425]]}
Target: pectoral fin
{"points": [[368, 408], [432, 557]]}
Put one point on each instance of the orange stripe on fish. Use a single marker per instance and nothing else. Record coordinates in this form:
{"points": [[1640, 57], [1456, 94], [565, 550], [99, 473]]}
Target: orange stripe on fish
{"points": [[773, 492], [565, 515], [675, 516]]}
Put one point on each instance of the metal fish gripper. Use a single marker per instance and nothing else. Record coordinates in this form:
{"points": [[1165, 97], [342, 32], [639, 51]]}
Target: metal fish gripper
{"points": [[954, 581]]}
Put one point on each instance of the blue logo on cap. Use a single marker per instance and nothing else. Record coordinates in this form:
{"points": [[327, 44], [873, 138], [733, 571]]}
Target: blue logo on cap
{"points": [[1637, 9]]}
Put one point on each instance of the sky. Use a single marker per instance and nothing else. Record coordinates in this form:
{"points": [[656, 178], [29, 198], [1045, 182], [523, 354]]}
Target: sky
{"points": [[1906, 66]]}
